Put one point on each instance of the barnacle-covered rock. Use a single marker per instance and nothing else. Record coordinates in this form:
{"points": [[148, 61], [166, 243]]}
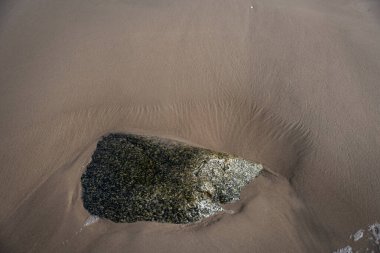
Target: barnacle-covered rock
{"points": [[134, 178]]}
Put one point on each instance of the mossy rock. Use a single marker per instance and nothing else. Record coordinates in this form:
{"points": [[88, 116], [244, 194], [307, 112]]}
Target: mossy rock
{"points": [[137, 178]]}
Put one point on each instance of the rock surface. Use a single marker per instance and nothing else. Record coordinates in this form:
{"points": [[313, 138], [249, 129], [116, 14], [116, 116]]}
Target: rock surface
{"points": [[134, 178]]}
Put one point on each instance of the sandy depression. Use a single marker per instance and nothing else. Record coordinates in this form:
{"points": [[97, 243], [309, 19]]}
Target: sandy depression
{"points": [[291, 84]]}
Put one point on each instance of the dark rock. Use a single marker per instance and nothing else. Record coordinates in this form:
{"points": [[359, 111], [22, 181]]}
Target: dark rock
{"points": [[134, 178]]}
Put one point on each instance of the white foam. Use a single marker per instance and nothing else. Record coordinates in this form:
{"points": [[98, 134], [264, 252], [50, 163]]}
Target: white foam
{"points": [[358, 235], [375, 230], [346, 249], [91, 220]]}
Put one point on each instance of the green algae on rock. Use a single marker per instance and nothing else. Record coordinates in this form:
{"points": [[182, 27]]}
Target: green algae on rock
{"points": [[137, 178]]}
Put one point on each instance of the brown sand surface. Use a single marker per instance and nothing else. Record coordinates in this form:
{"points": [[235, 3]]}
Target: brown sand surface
{"points": [[291, 84]]}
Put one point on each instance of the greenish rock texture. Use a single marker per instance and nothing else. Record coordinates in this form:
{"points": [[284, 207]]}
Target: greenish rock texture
{"points": [[137, 178]]}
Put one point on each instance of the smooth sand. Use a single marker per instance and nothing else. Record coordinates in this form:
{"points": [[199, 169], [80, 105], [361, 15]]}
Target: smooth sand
{"points": [[291, 84]]}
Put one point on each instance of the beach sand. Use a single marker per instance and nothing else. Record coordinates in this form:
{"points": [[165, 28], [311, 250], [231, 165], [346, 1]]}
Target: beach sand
{"points": [[293, 85]]}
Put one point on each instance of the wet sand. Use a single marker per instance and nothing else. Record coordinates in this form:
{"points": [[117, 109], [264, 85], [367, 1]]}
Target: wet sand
{"points": [[291, 85]]}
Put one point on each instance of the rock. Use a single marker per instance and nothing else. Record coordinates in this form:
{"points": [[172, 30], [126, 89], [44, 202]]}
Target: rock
{"points": [[134, 178]]}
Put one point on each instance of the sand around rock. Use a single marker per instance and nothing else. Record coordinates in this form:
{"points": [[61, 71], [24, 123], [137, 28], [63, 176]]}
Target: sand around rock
{"points": [[293, 85]]}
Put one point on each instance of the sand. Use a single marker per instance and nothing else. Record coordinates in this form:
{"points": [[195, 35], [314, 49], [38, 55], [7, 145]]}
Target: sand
{"points": [[292, 85]]}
